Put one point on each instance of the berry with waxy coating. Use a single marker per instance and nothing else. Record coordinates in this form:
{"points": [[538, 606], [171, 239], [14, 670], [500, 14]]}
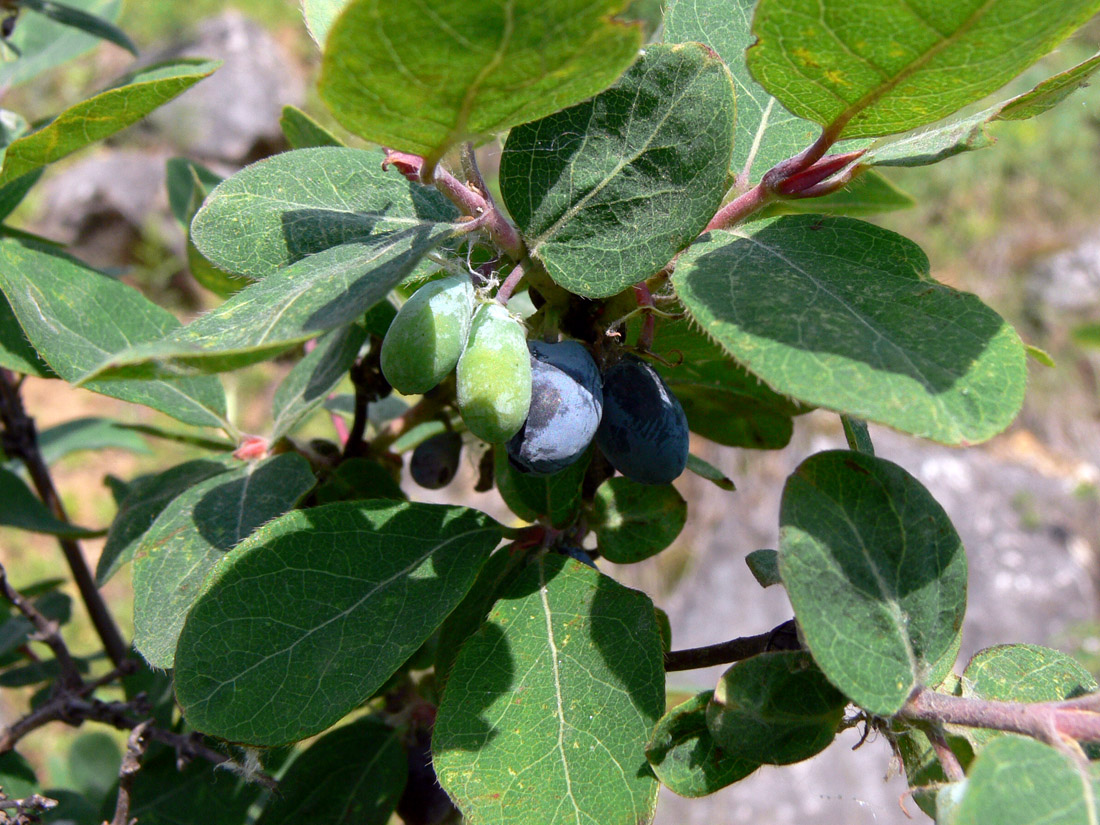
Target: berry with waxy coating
{"points": [[493, 381], [428, 335], [435, 460], [643, 432], [566, 404]]}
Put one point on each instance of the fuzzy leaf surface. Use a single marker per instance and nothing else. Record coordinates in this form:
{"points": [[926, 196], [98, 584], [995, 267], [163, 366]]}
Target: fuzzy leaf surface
{"points": [[566, 679], [467, 70], [925, 60], [606, 192], [312, 613], [839, 313]]}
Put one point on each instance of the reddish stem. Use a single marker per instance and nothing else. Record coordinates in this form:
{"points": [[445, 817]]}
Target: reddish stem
{"points": [[649, 325], [738, 209]]}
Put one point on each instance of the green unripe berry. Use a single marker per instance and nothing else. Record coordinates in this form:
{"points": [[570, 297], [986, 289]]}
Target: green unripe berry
{"points": [[494, 375], [426, 339]]}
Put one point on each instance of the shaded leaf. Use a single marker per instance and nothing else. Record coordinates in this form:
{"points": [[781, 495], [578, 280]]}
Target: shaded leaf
{"points": [[193, 532], [842, 314], [110, 111], [75, 317], [20, 508], [531, 497], [302, 131], [565, 678], [44, 43], [94, 759], [685, 756], [472, 72], [705, 469], [876, 574], [931, 60], [13, 192], [357, 479], [764, 566], [634, 521], [263, 660], [600, 197], [16, 352], [76, 18], [869, 194], [17, 776], [88, 434]]}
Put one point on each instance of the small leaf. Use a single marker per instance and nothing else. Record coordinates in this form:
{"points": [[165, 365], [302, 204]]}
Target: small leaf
{"points": [[470, 72], [145, 500], [766, 132], [20, 508], [564, 679], [263, 660], [857, 435], [88, 434], [325, 291], [1019, 781], [869, 194], [601, 199], [775, 709], [556, 496], [44, 43], [302, 131], [1086, 335], [764, 566], [353, 775], [1040, 356], [110, 111], [94, 759], [842, 314], [76, 18], [319, 15], [186, 181], [634, 521], [876, 574], [75, 317], [933, 59], [686, 758], [193, 532], [705, 469], [287, 207]]}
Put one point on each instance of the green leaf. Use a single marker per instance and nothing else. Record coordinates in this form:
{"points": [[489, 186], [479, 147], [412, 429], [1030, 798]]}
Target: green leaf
{"points": [[76, 18], [1041, 356], [1019, 781], [876, 574], [16, 352], [634, 521], [17, 776], [353, 775], [302, 131], [319, 15], [262, 660], [923, 770], [359, 478], [75, 317], [44, 43], [880, 67], [601, 199], [764, 566], [13, 192], [110, 111], [566, 680], [325, 291], [1086, 335], [145, 500], [20, 508], [869, 194], [94, 759], [472, 71], [287, 207], [857, 434], [685, 756], [311, 380], [842, 314], [775, 709], [194, 532], [556, 496], [17, 630], [956, 135], [705, 469], [88, 434], [766, 132]]}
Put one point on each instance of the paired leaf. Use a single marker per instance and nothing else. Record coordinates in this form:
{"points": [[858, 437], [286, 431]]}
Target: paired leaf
{"points": [[634, 521], [685, 756], [876, 574], [842, 314], [775, 709], [470, 71], [315, 376], [194, 532], [44, 43], [110, 111], [598, 191], [75, 317], [880, 67], [766, 132], [284, 208], [312, 613], [353, 775], [531, 497], [566, 680], [20, 508]]}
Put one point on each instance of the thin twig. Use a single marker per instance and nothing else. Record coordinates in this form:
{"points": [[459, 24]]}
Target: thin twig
{"points": [[48, 631], [952, 768], [781, 637], [131, 764], [504, 294], [21, 441], [26, 810]]}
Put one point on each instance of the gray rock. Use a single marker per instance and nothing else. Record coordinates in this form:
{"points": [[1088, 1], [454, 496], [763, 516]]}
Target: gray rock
{"points": [[1068, 281]]}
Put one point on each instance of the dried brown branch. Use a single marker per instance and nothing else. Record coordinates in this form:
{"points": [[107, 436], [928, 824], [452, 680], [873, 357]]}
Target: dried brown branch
{"points": [[25, 811], [131, 764], [781, 637], [46, 631]]}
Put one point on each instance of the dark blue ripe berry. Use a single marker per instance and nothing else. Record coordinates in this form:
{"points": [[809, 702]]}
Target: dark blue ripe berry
{"points": [[566, 403], [644, 432], [435, 460]]}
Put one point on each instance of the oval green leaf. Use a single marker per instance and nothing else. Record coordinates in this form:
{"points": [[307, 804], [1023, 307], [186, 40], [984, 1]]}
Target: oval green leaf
{"points": [[635, 521]]}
